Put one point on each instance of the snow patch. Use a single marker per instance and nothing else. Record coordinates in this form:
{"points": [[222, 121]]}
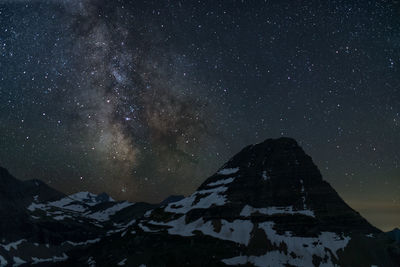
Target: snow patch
{"points": [[239, 260], [91, 262], [34, 206], [228, 171], [88, 198], [273, 258], [121, 263], [265, 176], [213, 197], [3, 261], [247, 211], [64, 257], [13, 245], [18, 261], [148, 213], [87, 242], [146, 229], [61, 217], [237, 231], [104, 215], [222, 182], [64, 203], [120, 227], [67, 203]]}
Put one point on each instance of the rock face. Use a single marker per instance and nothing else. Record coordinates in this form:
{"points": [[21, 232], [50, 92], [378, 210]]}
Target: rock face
{"points": [[267, 206]]}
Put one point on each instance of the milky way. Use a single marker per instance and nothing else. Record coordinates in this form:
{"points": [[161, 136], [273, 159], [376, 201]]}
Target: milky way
{"points": [[144, 99], [140, 117]]}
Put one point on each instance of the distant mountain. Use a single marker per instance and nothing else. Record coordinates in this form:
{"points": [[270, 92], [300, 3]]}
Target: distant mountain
{"points": [[40, 225], [267, 206], [15, 196]]}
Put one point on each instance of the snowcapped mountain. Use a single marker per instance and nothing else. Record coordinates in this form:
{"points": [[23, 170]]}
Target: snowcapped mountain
{"points": [[78, 206], [267, 206], [271, 202]]}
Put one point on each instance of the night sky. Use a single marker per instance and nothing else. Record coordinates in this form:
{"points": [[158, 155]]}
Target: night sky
{"points": [[144, 99]]}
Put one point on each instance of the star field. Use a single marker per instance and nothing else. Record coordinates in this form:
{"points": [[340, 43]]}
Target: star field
{"points": [[144, 99]]}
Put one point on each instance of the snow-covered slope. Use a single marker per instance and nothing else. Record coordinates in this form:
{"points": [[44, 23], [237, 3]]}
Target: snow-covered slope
{"points": [[79, 205]]}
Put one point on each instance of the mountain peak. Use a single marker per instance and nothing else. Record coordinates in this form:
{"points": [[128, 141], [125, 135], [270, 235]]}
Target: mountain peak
{"points": [[274, 156], [272, 159], [273, 180], [6, 177]]}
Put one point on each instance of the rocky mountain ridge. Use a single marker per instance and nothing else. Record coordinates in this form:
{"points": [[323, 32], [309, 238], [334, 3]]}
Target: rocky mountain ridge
{"points": [[267, 206]]}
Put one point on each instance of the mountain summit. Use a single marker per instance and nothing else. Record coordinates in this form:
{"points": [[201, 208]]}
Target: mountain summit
{"points": [[277, 179], [274, 180]]}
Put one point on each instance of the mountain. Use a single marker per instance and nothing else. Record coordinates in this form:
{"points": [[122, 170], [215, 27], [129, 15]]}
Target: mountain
{"points": [[15, 195], [267, 206], [39, 225]]}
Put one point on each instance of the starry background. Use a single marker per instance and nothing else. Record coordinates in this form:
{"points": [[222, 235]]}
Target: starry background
{"points": [[144, 99]]}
